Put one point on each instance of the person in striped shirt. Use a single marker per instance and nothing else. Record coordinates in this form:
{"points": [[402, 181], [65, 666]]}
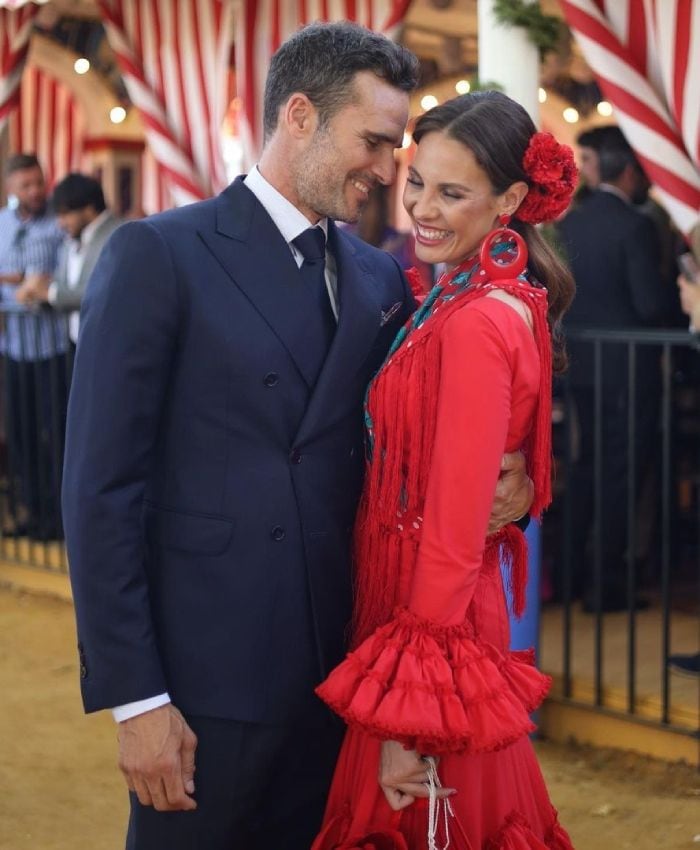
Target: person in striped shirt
{"points": [[33, 343]]}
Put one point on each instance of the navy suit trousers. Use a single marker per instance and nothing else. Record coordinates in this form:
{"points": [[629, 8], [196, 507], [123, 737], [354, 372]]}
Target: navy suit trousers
{"points": [[257, 787]]}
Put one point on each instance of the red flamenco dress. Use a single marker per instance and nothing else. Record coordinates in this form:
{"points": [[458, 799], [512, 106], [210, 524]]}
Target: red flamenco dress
{"points": [[466, 381]]}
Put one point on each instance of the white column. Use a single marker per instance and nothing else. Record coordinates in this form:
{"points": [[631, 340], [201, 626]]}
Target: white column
{"points": [[509, 58]]}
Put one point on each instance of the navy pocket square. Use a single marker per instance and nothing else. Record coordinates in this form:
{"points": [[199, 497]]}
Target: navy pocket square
{"points": [[388, 315]]}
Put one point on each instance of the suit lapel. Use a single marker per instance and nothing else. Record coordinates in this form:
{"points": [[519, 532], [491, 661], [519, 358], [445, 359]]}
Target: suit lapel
{"points": [[253, 253], [256, 257], [359, 322]]}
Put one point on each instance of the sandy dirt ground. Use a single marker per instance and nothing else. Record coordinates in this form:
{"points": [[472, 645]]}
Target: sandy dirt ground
{"points": [[60, 789]]}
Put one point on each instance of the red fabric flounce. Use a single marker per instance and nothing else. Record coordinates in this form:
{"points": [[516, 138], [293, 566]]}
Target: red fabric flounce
{"points": [[435, 688], [517, 835], [334, 836]]}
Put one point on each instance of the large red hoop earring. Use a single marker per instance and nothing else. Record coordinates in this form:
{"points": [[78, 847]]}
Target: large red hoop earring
{"points": [[510, 269]]}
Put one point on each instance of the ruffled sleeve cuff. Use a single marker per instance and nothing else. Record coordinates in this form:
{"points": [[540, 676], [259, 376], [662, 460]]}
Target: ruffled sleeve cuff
{"points": [[435, 688]]}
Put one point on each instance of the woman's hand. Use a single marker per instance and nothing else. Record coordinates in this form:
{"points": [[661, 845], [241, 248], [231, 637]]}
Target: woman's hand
{"points": [[402, 776]]}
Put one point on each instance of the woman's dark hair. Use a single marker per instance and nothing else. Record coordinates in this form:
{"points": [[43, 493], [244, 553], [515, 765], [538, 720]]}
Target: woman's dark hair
{"points": [[497, 130], [321, 60]]}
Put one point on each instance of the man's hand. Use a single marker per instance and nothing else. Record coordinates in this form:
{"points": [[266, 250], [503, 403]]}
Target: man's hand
{"points": [[34, 290], [156, 756], [13, 278], [402, 774], [514, 492]]}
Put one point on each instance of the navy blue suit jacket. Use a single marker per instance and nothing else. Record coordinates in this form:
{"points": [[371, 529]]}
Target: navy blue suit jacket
{"points": [[613, 252], [209, 491]]}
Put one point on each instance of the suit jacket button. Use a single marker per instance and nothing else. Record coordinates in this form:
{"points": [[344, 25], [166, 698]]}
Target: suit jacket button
{"points": [[278, 533], [295, 456], [83, 671], [271, 379]]}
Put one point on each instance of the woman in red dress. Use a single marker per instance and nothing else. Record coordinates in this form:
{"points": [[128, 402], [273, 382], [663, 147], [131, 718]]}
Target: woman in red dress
{"points": [[467, 379]]}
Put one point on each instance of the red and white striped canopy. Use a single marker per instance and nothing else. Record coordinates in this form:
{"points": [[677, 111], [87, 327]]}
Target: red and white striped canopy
{"points": [[174, 58], [646, 57], [15, 29], [16, 4], [264, 24], [50, 123]]}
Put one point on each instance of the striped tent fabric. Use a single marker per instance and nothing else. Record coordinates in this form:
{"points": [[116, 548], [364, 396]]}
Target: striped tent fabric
{"points": [[646, 57], [263, 25], [174, 58], [15, 30], [50, 123]]}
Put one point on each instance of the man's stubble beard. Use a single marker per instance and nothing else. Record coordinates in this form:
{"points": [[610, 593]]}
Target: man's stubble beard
{"points": [[318, 185], [33, 212]]}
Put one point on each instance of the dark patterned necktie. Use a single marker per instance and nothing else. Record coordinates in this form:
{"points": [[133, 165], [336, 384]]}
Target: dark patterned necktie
{"points": [[322, 324]]}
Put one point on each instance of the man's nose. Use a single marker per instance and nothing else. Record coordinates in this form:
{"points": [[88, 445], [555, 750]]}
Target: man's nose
{"points": [[385, 168]]}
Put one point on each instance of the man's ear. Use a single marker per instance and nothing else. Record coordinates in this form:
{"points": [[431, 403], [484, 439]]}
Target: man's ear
{"points": [[299, 116]]}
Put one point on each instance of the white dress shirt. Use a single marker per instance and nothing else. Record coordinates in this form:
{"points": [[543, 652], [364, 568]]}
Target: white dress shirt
{"points": [[291, 223]]}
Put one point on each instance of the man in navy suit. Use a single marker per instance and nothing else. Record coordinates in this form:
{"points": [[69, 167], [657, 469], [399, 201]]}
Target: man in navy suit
{"points": [[215, 456], [614, 253]]}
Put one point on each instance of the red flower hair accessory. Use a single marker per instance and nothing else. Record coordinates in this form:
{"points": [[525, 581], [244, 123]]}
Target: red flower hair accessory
{"points": [[552, 174]]}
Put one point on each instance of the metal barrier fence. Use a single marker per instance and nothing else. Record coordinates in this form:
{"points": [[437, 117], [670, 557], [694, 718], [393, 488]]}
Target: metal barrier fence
{"points": [[623, 544], [626, 517], [35, 369]]}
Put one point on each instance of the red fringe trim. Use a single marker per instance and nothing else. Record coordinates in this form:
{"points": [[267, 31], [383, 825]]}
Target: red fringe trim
{"points": [[514, 557], [403, 402]]}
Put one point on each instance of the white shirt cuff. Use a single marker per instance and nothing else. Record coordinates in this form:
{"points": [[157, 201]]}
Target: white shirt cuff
{"points": [[53, 292], [132, 709]]}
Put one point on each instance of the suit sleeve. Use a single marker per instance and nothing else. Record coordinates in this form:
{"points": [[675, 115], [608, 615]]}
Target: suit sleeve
{"points": [[65, 298], [70, 298], [129, 328], [643, 262], [473, 415], [425, 678]]}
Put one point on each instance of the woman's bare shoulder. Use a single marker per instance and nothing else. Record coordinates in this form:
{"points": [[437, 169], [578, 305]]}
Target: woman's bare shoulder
{"points": [[515, 303]]}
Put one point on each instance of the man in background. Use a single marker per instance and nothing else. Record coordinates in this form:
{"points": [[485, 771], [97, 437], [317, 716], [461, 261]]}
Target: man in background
{"points": [[590, 143], [614, 253], [82, 214], [34, 344]]}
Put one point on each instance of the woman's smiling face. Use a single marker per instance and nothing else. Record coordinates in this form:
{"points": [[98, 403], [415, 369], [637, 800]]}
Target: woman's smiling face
{"points": [[450, 200]]}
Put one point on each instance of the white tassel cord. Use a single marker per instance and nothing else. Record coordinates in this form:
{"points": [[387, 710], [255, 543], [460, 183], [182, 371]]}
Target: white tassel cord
{"points": [[438, 809]]}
